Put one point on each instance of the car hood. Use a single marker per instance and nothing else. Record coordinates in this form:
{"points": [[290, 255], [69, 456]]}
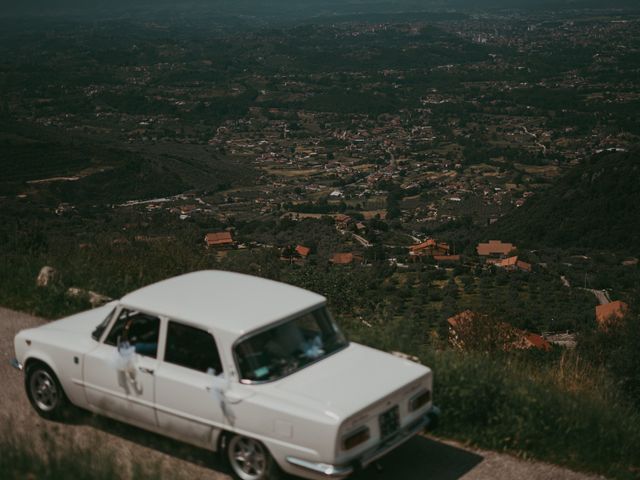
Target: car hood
{"points": [[81, 323], [70, 333], [349, 381]]}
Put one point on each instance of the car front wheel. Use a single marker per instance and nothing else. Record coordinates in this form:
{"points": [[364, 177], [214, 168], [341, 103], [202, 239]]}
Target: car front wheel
{"points": [[249, 459], [45, 392]]}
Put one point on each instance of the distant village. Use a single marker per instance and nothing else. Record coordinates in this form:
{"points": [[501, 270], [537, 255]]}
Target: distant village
{"points": [[387, 162]]}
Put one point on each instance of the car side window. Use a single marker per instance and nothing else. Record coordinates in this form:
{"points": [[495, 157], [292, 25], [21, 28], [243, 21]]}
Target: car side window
{"points": [[139, 329], [192, 347]]}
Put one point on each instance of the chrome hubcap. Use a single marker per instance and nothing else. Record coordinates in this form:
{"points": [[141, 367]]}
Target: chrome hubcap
{"points": [[248, 458], [44, 390]]}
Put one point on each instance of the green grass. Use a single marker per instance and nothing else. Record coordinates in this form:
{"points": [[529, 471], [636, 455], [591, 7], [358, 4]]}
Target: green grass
{"points": [[572, 418], [556, 407], [56, 455]]}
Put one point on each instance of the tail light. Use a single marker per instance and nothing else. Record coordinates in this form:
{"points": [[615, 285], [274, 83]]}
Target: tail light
{"points": [[420, 400], [356, 438]]}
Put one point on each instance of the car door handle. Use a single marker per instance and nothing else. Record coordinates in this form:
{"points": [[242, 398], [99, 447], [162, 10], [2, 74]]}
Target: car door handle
{"points": [[146, 370]]}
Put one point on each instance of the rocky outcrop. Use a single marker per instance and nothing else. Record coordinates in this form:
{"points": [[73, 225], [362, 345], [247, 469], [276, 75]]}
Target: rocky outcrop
{"points": [[95, 299], [47, 276]]}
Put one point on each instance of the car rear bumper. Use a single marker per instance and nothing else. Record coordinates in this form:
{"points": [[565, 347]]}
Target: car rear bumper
{"points": [[16, 364], [341, 471]]}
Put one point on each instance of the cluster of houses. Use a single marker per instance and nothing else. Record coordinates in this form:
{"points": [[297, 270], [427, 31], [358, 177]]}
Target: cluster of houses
{"points": [[470, 329], [499, 254], [439, 251], [466, 328], [494, 252]]}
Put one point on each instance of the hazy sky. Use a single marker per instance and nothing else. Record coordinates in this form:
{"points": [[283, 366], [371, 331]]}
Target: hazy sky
{"points": [[248, 7]]}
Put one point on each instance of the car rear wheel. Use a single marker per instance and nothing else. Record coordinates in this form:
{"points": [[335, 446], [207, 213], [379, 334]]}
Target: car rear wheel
{"points": [[45, 392], [249, 459]]}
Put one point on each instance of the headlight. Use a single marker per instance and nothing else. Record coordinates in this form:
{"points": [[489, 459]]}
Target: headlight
{"points": [[354, 439], [419, 400]]}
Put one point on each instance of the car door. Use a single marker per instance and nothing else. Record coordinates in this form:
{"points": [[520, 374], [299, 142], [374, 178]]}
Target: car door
{"points": [[119, 385], [189, 382]]}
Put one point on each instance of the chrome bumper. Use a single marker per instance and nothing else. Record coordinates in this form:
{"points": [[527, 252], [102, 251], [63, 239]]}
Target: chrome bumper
{"points": [[370, 456], [325, 469], [16, 364]]}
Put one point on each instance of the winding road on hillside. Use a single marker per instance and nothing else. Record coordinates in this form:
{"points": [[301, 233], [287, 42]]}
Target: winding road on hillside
{"points": [[424, 457], [601, 295]]}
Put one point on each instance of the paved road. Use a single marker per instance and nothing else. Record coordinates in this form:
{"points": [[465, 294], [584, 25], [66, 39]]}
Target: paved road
{"points": [[601, 295], [363, 241], [423, 457]]}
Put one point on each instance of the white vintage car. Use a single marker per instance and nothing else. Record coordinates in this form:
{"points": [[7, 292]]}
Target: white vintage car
{"points": [[253, 368]]}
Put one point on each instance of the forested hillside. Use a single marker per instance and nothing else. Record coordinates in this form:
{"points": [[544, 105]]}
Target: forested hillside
{"points": [[89, 169], [595, 205]]}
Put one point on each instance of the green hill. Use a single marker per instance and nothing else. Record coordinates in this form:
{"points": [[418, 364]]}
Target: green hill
{"points": [[595, 205], [108, 170]]}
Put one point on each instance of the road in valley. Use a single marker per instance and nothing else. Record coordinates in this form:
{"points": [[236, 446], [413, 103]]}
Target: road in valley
{"points": [[601, 295], [423, 457]]}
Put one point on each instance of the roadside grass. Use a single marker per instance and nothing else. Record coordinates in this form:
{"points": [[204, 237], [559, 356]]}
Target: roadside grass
{"points": [[567, 413], [49, 452], [556, 406], [53, 455]]}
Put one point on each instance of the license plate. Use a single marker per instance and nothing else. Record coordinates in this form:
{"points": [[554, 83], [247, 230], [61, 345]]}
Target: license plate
{"points": [[389, 422]]}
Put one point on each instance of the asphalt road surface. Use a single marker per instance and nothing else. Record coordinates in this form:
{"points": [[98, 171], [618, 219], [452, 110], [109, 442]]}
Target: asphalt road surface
{"points": [[423, 457]]}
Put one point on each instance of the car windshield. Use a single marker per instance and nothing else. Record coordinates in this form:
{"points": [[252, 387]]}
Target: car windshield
{"points": [[287, 347]]}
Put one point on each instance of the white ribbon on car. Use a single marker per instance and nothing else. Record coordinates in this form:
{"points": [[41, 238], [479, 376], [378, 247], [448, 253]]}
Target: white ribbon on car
{"points": [[217, 392], [127, 363], [313, 348]]}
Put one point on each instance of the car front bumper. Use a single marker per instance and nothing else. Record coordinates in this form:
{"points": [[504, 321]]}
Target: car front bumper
{"points": [[363, 460], [16, 364]]}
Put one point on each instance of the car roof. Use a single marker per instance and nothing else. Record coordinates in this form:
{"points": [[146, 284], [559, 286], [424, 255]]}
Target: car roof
{"points": [[219, 300]]}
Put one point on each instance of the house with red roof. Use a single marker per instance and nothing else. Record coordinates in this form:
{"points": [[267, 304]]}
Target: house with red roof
{"points": [[610, 313], [219, 240], [297, 254], [345, 259], [342, 220], [429, 248], [511, 264], [302, 251], [495, 249]]}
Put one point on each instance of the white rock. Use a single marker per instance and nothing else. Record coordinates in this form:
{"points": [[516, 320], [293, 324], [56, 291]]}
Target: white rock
{"points": [[46, 276]]}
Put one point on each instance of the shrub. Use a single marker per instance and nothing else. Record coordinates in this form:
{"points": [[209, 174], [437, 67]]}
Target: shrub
{"points": [[618, 349], [509, 406]]}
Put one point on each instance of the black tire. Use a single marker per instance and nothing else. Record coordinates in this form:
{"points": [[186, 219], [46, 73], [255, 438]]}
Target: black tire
{"points": [[45, 392], [248, 459]]}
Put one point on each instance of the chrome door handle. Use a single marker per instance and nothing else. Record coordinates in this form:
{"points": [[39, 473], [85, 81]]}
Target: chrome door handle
{"points": [[146, 370]]}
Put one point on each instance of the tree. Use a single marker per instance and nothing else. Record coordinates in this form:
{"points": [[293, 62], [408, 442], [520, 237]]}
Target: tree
{"points": [[468, 283], [451, 289], [618, 349]]}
